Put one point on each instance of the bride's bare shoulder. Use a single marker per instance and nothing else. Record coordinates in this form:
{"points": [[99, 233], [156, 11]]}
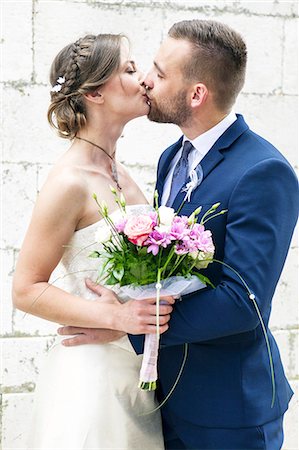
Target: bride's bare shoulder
{"points": [[65, 181]]}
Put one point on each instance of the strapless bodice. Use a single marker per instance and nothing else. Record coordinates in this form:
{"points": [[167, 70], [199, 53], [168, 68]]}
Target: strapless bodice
{"points": [[76, 265]]}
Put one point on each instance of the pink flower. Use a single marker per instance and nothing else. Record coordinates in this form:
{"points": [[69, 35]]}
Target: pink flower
{"points": [[181, 249], [179, 230], [181, 219], [202, 239], [120, 226], [197, 229], [154, 216], [156, 240], [138, 228], [154, 249]]}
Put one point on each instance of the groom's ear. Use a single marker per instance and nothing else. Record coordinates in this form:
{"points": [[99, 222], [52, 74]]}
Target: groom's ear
{"points": [[199, 95], [94, 96]]}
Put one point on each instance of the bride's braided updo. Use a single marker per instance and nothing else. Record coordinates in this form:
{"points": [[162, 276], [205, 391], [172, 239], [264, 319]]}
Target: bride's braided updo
{"points": [[80, 68]]}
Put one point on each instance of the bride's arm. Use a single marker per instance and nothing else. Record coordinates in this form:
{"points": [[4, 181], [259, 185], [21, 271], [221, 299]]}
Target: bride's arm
{"points": [[53, 222]]}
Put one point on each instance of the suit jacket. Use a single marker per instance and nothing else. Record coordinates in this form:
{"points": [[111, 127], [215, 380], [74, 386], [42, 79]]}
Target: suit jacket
{"points": [[226, 380]]}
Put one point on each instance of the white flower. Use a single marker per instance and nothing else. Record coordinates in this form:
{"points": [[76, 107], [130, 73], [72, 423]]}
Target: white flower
{"points": [[166, 215], [103, 234], [58, 85], [56, 88], [163, 228], [203, 259]]}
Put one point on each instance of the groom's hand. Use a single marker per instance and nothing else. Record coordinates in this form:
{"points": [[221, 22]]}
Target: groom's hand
{"points": [[88, 335]]}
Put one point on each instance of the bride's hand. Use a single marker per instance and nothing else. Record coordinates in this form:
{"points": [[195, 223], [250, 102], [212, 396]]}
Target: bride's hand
{"points": [[135, 316], [105, 295]]}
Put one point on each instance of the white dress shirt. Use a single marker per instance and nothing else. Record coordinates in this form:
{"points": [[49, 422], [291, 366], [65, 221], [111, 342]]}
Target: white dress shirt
{"points": [[202, 144]]}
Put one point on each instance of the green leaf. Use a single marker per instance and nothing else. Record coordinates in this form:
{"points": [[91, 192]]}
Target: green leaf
{"points": [[111, 281], [94, 254], [118, 273], [142, 251], [204, 279], [102, 269]]}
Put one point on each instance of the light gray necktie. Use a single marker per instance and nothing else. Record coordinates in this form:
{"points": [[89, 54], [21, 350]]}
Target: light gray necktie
{"points": [[180, 174]]}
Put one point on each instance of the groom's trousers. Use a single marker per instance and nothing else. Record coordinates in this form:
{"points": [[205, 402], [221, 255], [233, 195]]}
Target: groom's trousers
{"points": [[265, 437]]}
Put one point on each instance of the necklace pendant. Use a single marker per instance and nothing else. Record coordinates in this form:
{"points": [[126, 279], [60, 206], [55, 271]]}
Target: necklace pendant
{"points": [[115, 175], [113, 164]]}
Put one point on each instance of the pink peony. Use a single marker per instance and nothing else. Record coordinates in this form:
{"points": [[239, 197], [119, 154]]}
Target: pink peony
{"points": [[138, 228]]}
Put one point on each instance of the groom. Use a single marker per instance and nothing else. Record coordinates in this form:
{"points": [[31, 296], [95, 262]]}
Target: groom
{"points": [[223, 398]]}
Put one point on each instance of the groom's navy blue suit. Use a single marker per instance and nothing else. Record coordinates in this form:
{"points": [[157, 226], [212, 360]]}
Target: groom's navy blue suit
{"points": [[226, 382]]}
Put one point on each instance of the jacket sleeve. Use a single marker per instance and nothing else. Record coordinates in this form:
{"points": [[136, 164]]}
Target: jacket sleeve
{"points": [[262, 214]]}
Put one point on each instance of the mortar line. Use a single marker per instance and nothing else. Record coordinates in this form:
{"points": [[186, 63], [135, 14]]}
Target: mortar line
{"points": [[33, 13], [283, 55]]}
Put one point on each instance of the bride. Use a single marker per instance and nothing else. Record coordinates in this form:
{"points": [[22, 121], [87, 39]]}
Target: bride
{"points": [[87, 396]]}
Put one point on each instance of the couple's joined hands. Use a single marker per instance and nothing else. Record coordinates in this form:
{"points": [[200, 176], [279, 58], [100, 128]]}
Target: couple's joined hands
{"points": [[134, 317]]}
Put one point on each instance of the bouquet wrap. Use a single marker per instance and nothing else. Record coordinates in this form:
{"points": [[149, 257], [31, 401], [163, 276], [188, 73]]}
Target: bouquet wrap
{"points": [[173, 286]]}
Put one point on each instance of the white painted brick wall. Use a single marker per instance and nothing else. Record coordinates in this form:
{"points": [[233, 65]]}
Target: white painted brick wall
{"points": [[33, 32]]}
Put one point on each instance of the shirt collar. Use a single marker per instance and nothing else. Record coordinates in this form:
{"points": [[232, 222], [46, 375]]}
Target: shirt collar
{"points": [[205, 141]]}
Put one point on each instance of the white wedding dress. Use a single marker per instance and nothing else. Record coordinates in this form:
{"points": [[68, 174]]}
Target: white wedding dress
{"points": [[87, 397]]}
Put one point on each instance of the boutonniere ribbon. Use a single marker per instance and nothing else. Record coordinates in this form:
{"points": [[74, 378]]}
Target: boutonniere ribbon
{"points": [[196, 177]]}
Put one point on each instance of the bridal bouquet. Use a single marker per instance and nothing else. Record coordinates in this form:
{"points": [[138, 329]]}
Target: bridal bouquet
{"points": [[149, 252]]}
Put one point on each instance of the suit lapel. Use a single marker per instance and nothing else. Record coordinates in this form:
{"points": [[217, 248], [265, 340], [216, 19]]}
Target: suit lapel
{"points": [[215, 155]]}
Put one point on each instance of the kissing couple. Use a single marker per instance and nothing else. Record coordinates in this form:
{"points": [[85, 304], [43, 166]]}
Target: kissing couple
{"points": [[87, 395]]}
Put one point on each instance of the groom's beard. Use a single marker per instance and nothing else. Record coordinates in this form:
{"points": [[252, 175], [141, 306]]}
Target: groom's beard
{"points": [[170, 110]]}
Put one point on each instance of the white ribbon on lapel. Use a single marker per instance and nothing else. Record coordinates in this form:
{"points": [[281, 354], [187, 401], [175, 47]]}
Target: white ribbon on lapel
{"points": [[196, 176]]}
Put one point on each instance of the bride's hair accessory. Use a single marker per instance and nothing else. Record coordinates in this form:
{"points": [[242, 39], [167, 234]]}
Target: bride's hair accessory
{"points": [[58, 85], [80, 67]]}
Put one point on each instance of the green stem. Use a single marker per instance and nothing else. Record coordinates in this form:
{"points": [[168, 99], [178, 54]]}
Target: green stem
{"points": [[171, 253], [108, 221], [181, 206], [174, 384], [193, 264], [176, 264], [148, 385], [209, 211], [252, 298], [181, 258], [269, 350], [160, 256], [212, 217], [237, 273]]}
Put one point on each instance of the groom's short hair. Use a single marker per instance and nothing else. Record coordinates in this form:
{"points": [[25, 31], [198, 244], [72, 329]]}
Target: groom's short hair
{"points": [[218, 58]]}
